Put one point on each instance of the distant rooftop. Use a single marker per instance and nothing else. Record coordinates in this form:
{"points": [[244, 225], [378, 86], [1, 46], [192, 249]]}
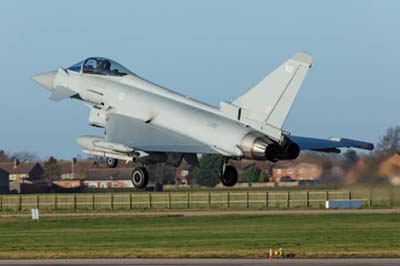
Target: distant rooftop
{"points": [[18, 167]]}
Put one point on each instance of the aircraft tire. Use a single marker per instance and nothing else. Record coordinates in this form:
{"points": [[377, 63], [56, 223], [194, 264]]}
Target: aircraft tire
{"points": [[140, 177], [111, 162], [230, 176]]}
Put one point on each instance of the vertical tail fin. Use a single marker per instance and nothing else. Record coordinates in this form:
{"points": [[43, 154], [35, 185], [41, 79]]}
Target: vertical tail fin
{"points": [[271, 99]]}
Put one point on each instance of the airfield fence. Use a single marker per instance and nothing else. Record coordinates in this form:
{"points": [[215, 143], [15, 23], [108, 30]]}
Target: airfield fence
{"points": [[186, 200]]}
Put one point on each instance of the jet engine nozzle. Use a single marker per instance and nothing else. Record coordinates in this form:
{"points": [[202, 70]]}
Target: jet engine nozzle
{"points": [[256, 146], [289, 151], [46, 80]]}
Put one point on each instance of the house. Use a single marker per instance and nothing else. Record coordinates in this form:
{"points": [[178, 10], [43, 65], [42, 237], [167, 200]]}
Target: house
{"points": [[296, 170], [108, 178], [183, 173], [4, 183], [23, 170], [327, 168], [68, 184], [75, 169], [391, 169], [24, 186], [354, 173], [242, 165]]}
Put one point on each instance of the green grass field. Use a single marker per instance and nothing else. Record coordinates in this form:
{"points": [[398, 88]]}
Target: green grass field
{"points": [[342, 235]]}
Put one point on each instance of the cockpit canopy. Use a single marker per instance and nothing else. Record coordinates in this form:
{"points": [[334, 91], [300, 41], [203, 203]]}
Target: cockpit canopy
{"points": [[100, 66]]}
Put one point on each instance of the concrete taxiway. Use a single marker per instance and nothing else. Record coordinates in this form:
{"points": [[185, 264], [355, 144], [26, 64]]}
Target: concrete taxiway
{"points": [[206, 262]]}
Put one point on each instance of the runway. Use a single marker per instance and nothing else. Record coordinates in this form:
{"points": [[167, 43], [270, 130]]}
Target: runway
{"points": [[206, 262], [189, 213]]}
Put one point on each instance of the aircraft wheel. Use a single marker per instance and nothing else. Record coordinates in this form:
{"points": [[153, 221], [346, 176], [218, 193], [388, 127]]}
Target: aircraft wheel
{"points": [[230, 176], [140, 177], [111, 162]]}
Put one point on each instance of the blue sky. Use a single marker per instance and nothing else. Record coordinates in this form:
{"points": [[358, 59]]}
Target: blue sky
{"points": [[210, 50]]}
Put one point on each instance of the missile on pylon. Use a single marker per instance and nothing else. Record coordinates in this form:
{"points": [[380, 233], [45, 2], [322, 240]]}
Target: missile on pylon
{"points": [[97, 146]]}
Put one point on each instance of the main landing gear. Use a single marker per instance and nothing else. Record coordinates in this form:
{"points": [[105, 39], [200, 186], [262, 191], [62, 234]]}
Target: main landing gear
{"points": [[140, 177], [228, 174]]}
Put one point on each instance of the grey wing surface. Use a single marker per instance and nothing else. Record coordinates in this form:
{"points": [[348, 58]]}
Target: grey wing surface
{"points": [[306, 143], [150, 138]]}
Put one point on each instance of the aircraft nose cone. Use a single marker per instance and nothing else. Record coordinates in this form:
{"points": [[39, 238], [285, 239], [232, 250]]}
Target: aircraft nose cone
{"points": [[46, 80]]}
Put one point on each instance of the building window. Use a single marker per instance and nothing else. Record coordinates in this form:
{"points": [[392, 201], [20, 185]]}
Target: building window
{"points": [[184, 173], [279, 171], [290, 170]]}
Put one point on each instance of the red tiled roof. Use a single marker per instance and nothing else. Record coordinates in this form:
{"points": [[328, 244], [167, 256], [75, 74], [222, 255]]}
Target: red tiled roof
{"points": [[22, 168]]}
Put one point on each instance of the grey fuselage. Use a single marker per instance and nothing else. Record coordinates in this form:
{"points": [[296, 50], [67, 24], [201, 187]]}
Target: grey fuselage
{"points": [[135, 97], [142, 118]]}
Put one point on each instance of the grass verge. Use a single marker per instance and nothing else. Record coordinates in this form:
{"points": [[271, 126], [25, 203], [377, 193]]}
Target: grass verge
{"points": [[244, 236]]}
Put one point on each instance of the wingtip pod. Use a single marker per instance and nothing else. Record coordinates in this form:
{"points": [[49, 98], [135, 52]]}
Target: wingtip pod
{"points": [[303, 57], [354, 143], [359, 144]]}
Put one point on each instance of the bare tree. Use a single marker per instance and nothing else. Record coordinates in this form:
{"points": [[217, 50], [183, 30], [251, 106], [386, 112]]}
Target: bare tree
{"points": [[52, 170], [25, 156], [389, 143], [4, 156], [351, 156]]}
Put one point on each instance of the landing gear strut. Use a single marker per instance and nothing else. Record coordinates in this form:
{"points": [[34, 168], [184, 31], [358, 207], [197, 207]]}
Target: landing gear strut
{"points": [[111, 162], [228, 174], [140, 177]]}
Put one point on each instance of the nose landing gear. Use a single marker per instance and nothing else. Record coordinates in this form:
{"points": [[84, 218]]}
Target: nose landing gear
{"points": [[111, 162]]}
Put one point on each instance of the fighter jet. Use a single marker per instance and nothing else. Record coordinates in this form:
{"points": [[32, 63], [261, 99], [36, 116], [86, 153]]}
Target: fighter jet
{"points": [[147, 123]]}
